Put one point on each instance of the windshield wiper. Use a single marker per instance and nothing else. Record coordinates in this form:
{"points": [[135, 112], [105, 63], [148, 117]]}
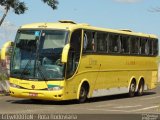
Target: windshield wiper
{"points": [[41, 72], [25, 71]]}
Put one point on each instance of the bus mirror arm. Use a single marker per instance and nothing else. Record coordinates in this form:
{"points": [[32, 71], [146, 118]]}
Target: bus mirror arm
{"points": [[65, 53]]}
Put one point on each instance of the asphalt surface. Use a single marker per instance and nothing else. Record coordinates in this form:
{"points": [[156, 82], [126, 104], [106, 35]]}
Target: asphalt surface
{"points": [[149, 103]]}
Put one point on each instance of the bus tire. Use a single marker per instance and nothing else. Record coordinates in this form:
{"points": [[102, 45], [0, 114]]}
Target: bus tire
{"points": [[83, 93], [140, 89], [132, 88]]}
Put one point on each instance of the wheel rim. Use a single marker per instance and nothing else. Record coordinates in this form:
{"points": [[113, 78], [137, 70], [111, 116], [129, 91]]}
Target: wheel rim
{"points": [[141, 88], [82, 93], [133, 87]]}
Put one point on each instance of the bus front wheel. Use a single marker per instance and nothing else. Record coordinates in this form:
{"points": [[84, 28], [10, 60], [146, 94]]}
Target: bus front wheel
{"points": [[132, 88], [83, 93]]}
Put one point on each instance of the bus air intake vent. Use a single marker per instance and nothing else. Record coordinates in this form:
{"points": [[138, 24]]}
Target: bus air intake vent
{"points": [[67, 21], [127, 30]]}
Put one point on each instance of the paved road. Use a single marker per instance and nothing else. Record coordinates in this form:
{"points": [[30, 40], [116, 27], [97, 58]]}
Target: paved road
{"points": [[118, 104]]}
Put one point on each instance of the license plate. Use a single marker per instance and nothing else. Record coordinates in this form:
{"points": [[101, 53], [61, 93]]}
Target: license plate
{"points": [[33, 94]]}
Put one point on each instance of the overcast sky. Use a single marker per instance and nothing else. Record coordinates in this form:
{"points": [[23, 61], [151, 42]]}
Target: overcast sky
{"points": [[137, 15]]}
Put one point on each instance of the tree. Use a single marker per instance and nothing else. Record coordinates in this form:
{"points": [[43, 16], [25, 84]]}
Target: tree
{"points": [[20, 7], [156, 9], [17, 6], [52, 3]]}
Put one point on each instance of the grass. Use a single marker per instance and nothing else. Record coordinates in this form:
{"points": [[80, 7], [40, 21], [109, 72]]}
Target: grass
{"points": [[1, 94]]}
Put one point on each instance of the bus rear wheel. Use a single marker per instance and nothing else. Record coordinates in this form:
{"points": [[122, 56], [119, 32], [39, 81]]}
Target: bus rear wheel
{"points": [[140, 88], [83, 94], [132, 88]]}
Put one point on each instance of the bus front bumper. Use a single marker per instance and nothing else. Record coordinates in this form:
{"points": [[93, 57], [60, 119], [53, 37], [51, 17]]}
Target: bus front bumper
{"points": [[37, 94]]}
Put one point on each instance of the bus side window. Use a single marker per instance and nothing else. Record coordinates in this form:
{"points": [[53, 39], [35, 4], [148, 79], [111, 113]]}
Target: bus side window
{"points": [[89, 41], [155, 47], [144, 48], [134, 43], [101, 42], [124, 40], [150, 43], [114, 43]]}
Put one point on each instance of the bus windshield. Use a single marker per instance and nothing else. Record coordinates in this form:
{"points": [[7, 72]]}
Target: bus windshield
{"points": [[37, 54]]}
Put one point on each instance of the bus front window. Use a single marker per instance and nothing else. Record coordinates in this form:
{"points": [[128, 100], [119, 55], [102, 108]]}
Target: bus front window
{"points": [[24, 53], [37, 54], [50, 50]]}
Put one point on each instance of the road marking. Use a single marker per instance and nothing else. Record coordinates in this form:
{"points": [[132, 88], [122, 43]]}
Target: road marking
{"points": [[147, 108], [109, 110], [121, 107], [107, 105], [150, 98], [127, 111]]}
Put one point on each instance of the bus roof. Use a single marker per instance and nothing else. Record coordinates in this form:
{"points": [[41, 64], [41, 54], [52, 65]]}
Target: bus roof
{"points": [[70, 25]]}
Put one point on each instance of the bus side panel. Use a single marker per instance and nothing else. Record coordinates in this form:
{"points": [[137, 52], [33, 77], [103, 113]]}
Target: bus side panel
{"points": [[109, 75], [116, 73]]}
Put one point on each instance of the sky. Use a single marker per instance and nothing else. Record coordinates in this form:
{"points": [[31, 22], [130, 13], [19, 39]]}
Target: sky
{"points": [[136, 15]]}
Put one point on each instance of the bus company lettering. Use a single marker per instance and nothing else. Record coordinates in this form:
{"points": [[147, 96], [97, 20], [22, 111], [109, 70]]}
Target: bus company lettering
{"points": [[92, 62], [131, 62]]}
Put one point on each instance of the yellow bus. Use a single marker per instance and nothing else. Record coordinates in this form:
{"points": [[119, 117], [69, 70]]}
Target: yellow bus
{"points": [[66, 60]]}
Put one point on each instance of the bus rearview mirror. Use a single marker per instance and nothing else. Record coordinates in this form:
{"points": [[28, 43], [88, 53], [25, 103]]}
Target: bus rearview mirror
{"points": [[65, 53], [6, 50]]}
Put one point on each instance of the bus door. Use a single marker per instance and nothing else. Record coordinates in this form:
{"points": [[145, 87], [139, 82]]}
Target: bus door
{"points": [[74, 53], [73, 61]]}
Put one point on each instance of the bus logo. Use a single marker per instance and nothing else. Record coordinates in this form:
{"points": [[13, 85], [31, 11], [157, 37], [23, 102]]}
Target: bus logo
{"points": [[33, 86]]}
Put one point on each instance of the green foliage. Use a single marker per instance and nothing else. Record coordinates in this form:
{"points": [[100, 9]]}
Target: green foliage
{"points": [[17, 6], [20, 7], [9, 51], [52, 3], [3, 76]]}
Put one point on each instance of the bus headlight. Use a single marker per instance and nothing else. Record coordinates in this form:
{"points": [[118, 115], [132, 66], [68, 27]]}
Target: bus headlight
{"points": [[55, 88], [14, 85]]}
